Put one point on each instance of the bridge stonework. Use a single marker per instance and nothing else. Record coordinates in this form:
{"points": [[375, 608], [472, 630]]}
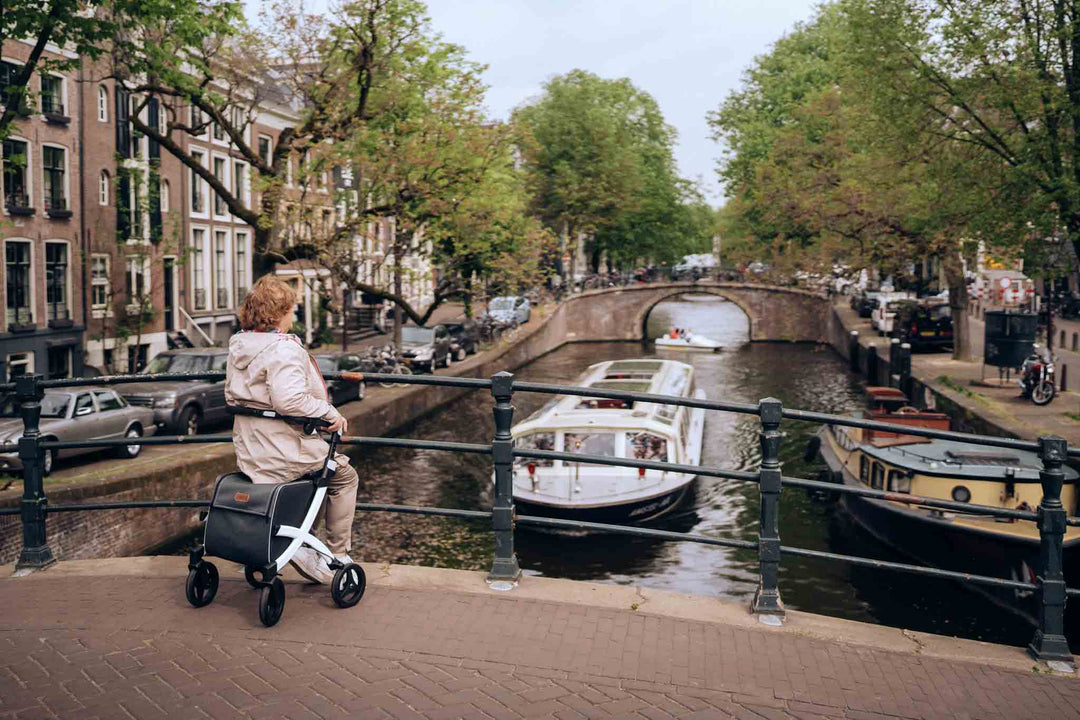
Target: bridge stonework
{"points": [[779, 314]]}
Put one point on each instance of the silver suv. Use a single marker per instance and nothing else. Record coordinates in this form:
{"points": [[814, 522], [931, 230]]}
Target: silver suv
{"points": [[182, 406]]}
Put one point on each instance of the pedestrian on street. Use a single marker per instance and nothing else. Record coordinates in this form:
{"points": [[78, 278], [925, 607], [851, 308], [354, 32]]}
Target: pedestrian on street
{"points": [[269, 369]]}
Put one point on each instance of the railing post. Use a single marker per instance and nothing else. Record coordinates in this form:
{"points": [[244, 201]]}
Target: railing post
{"points": [[1049, 643], [904, 358], [505, 565], [853, 350], [767, 598], [35, 552]]}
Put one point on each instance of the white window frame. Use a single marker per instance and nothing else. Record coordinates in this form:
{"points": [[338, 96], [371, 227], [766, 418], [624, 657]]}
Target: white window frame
{"points": [[226, 181], [270, 152], [104, 188], [29, 169], [103, 104], [206, 284], [63, 90], [192, 110], [164, 195], [201, 184], [242, 193], [144, 219], [227, 270], [107, 283], [29, 362], [67, 172], [68, 297], [241, 239], [129, 263], [32, 271]]}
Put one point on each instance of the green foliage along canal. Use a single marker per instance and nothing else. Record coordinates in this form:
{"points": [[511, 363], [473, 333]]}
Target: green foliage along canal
{"points": [[803, 376]]}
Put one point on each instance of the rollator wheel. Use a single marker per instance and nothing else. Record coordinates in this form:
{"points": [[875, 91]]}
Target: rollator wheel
{"points": [[253, 580], [349, 585], [202, 584], [272, 602]]}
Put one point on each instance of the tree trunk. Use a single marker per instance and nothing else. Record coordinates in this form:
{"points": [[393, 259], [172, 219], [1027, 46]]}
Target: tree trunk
{"points": [[468, 296], [594, 257], [958, 302], [397, 291], [344, 318], [571, 244]]}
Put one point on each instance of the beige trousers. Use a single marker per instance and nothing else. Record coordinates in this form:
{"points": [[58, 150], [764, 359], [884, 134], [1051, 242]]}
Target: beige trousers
{"points": [[340, 506]]}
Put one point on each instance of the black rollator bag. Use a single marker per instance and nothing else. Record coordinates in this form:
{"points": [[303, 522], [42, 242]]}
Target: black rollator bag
{"points": [[262, 526]]}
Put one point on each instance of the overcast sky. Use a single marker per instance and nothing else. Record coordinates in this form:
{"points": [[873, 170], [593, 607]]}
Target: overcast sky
{"points": [[688, 54]]}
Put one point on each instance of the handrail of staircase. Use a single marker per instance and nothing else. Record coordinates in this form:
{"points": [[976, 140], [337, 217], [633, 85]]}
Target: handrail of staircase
{"points": [[195, 325]]}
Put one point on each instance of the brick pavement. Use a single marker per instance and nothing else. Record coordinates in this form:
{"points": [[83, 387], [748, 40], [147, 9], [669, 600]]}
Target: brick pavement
{"points": [[129, 646]]}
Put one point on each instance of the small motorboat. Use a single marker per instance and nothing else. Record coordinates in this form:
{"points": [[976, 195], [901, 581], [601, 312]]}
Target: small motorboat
{"points": [[687, 341]]}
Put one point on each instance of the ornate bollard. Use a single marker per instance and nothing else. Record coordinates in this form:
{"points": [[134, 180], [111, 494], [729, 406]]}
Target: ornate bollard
{"points": [[871, 365], [35, 552], [1049, 643], [767, 598], [853, 350], [904, 359], [505, 565]]}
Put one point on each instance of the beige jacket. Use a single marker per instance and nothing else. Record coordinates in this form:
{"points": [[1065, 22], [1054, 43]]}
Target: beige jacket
{"points": [[274, 371]]}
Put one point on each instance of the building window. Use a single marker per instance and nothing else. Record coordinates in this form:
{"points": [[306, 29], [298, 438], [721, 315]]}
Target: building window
{"points": [[198, 122], [164, 196], [135, 280], [8, 74], [16, 187], [137, 356], [102, 104], [56, 281], [59, 362], [103, 188], [219, 172], [197, 201], [20, 364], [52, 161], [52, 95], [241, 266], [198, 267], [265, 149], [221, 281], [123, 123], [17, 261], [239, 181], [99, 281]]}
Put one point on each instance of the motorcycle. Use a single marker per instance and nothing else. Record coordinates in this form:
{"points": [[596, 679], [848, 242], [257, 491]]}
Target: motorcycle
{"points": [[1037, 378]]}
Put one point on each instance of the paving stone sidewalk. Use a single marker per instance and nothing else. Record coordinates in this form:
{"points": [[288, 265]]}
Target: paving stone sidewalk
{"points": [[130, 647]]}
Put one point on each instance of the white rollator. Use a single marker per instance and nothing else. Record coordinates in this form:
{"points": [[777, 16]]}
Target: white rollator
{"points": [[262, 526]]}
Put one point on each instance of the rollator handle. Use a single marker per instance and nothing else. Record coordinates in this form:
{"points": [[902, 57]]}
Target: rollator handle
{"points": [[330, 465]]}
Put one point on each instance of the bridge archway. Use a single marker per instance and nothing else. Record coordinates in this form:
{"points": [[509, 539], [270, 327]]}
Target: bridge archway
{"points": [[646, 311], [780, 314]]}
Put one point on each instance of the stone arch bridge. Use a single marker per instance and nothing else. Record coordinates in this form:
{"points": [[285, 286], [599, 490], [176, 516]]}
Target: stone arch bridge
{"points": [[778, 314]]}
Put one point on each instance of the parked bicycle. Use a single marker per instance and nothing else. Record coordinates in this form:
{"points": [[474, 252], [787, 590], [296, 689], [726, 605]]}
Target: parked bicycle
{"points": [[384, 359]]}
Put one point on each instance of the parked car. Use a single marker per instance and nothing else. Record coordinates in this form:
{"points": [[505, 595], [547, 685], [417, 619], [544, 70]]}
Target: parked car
{"points": [[425, 348], [463, 339], [884, 314], [340, 391], [864, 303], [98, 413], [510, 307], [924, 325], [182, 406]]}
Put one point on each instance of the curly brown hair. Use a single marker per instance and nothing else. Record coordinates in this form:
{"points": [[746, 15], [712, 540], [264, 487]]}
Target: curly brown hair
{"points": [[268, 300]]}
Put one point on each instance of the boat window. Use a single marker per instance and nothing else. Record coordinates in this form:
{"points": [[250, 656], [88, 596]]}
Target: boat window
{"points": [[604, 404], [535, 441], [864, 470], [589, 443], [877, 479], [647, 446], [899, 482]]}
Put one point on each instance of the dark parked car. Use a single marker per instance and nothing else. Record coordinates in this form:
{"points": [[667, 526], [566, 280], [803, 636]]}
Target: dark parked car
{"points": [[183, 406], [425, 348], [463, 339], [76, 415], [340, 391], [924, 326], [864, 303]]}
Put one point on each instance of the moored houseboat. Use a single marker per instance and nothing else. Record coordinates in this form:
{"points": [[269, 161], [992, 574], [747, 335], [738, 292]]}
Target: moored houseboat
{"points": [[947, 470], [616, 428]]}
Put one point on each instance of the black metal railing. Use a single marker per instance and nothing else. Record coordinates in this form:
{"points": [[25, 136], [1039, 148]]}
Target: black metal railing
{"points": [[1048, 644]]}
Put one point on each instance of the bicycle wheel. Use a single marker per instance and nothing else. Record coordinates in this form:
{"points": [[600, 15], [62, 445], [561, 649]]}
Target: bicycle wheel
{"points": [[401, 370]]}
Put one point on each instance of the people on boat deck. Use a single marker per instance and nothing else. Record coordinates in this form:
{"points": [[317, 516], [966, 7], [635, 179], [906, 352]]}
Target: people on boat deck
{"points": [[674, 333]]}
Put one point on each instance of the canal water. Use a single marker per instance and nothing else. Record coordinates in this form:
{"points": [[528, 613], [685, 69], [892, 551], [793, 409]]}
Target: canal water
{"points": [[802, 376]]}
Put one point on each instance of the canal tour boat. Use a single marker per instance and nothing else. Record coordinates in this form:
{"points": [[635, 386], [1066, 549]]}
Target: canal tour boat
{"points": [[602, 426], [947, 470]]}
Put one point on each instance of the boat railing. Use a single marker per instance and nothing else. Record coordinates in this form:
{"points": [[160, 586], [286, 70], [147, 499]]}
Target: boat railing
{"points": [[1050, 590]]}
